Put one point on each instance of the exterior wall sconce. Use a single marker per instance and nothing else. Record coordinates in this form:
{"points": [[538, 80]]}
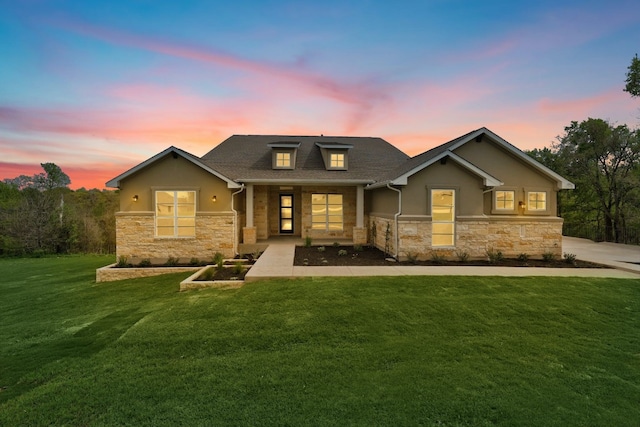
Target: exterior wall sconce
{"points": [[521, 205], [135, 198], [214, 199]]}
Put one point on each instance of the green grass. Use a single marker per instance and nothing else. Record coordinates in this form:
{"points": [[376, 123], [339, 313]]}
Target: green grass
{"points": [[445, 351]]}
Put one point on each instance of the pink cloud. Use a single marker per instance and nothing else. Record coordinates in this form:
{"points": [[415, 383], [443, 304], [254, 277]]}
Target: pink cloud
{"points": [[362, 96]]}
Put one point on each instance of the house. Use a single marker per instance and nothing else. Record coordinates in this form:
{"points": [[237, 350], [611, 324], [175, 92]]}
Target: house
{"points": [[470, 195]]}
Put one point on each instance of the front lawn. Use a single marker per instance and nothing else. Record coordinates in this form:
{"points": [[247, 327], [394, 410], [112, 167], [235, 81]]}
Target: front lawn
{"points": [[446, 351]]}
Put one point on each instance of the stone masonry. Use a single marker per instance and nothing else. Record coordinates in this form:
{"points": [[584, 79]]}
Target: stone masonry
{"points": [[512, 237], [135, 238]]}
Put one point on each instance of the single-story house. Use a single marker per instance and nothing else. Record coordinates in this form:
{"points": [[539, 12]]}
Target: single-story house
{"points": [[470, 195]]}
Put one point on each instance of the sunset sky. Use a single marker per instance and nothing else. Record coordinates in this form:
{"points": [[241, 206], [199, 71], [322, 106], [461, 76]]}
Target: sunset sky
{"points": [[99, 86]]}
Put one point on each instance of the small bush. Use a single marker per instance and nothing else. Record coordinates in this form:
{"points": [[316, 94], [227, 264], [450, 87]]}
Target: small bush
{"points": [[437, 258], [357, 248], [523, 257], [194, 261], [321, 248], [238, 268], [463, 256], [256, 254], [548, 257], [208, 274], [123, 261], [172, 261], [494, 256], [336, 244], [412, 257], [342, 252], [146, 262], [218, 260], [570, 258], [308, 241]]}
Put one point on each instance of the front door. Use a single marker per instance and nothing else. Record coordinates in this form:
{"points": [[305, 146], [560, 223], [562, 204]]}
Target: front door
{"points": [[286, 213]]}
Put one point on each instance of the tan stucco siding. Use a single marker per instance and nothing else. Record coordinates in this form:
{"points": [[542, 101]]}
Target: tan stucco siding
{"points": [[171, 173], [513, 172], [468, 186], [383, 200]]}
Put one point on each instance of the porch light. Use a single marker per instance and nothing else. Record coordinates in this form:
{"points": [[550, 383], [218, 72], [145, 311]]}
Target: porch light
{"points": [[214, 199], [521, 204], [135, 198]]}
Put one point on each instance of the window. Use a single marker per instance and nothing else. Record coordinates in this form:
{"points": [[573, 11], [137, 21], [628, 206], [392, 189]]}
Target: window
{"points": [[175, 213], [326, 212], [336, 161], [537, 200], [505, 200], [283, 160], [443, 214]]}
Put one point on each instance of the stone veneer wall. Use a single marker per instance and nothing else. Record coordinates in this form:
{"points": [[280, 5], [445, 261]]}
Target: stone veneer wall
{"points": [[135, 237], [511, 236]]}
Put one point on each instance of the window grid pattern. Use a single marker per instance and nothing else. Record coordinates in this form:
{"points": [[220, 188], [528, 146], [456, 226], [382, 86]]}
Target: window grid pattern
{"points": [[175, 213], [537, 201], [327, 212], [336, 160], [283, 160], [443, 211], [505, 200]]}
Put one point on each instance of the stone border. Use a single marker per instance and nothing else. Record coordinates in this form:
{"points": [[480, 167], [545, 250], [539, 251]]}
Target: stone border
{"points": [[191, 283], [110, 273]]}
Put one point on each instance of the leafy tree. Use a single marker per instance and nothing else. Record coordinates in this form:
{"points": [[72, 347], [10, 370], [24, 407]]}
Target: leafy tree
{"points": [[603, 162], [633, 77]]}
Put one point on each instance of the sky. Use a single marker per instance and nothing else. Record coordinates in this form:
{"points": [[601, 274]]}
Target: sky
{"points": [[97, 87]]}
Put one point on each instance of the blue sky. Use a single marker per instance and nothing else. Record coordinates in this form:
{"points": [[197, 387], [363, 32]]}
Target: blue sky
{"points": [[99, 86]]}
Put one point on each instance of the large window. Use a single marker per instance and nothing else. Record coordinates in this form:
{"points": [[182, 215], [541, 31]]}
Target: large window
{"points": [[326, 212], [505, 200], [175, 213], [443, 216], [537, 200]]}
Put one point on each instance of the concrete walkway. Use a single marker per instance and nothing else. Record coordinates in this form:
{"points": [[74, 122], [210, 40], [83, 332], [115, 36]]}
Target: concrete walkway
{"points": [[277, 262]]}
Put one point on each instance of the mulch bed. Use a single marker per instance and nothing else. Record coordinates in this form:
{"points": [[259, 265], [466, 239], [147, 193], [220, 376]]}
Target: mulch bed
{"points": [[371, 256]]}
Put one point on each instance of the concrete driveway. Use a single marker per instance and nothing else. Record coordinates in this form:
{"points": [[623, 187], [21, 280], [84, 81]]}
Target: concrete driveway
{"points": [[623, 257]]}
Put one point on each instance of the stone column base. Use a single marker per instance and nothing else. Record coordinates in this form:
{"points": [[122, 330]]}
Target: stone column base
{"points": [[359, 236], [249, 235]]}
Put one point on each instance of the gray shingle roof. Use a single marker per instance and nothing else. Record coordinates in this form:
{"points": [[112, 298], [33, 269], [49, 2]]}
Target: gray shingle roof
{"points": [[248, 158]]}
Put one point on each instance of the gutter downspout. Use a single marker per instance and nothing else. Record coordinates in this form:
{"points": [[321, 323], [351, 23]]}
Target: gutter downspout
{"points": [[395, 218], [235, 220]]}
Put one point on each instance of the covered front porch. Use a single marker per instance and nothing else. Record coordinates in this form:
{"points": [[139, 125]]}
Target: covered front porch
{"points": [[320, 212]]}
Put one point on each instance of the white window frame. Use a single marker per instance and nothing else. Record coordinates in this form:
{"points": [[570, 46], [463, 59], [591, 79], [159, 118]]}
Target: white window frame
{"points": [[176, 218], [324, 216], [435, 223]]}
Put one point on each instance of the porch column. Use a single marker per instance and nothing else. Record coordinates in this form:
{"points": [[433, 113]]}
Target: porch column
{"points": [[360, 206], [249, 236], [249, 205], [359, 231]]}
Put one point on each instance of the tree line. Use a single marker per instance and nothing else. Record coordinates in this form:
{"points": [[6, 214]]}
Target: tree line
{"points": [[39, 214]]}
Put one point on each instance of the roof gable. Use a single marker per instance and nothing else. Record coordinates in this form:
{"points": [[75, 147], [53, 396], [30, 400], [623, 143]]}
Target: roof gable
{"points": [[115, 182], [399, 175]]}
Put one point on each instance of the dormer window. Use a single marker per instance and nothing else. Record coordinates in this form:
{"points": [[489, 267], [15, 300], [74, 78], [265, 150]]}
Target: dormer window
{"points": [[284, 154], [283, 160], [336, 160], [335, 155]]}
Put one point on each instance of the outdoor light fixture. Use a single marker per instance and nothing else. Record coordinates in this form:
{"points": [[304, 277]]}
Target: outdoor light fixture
{"points": [[214, 199], [521, 204], [135, 198]]}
